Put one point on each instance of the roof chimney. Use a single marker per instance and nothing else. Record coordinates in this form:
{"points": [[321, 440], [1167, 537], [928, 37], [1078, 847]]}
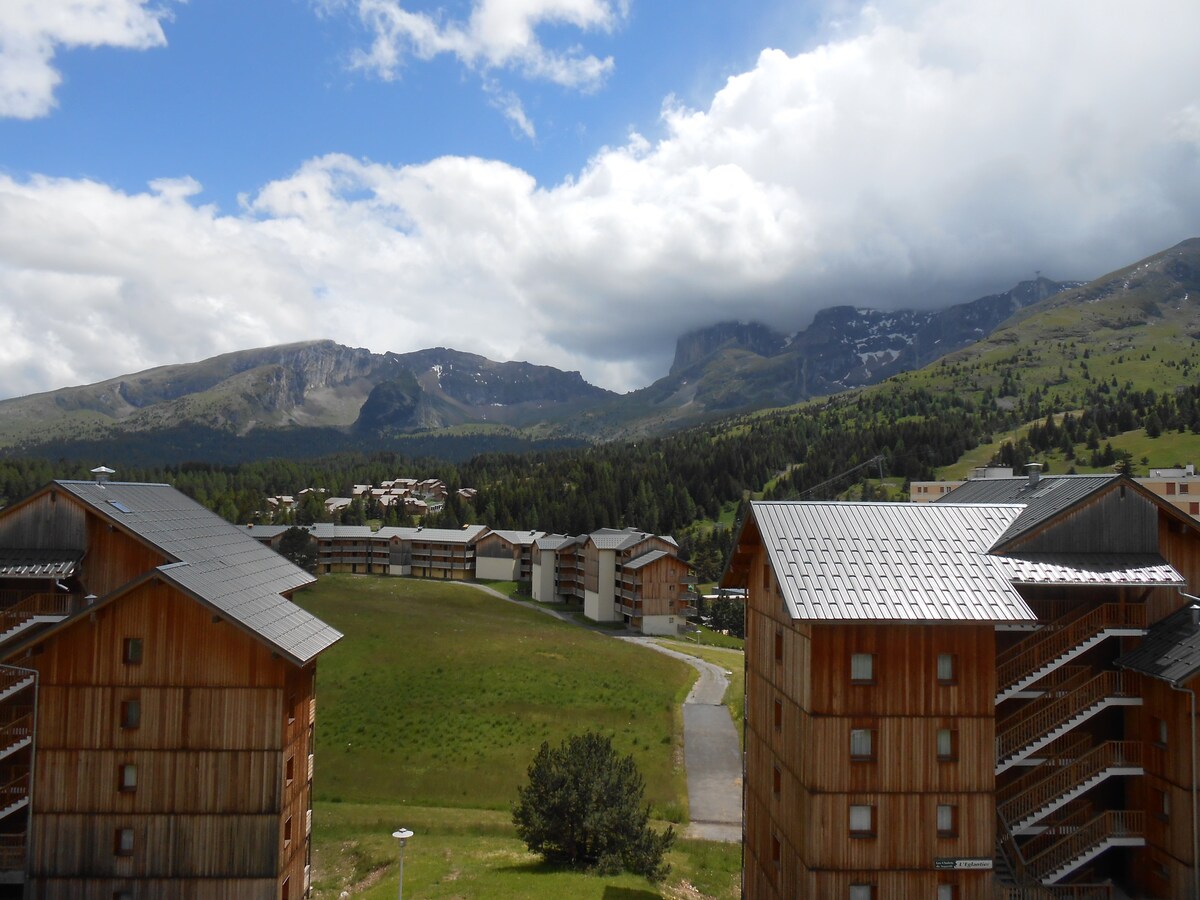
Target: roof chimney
{"points": [[1034, 471], [102, 473]]}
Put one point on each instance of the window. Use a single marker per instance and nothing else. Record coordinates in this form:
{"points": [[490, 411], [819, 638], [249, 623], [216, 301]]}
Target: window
{"points": [[291, 708], [862, 668], [123, 842], [862, 743], [289, 770], [776, 850], [1194, 509], [122, 895], [947, 892], [778, 646], [776, 780], [131, 653], [1164, 805], [285, 889], [287, 831], [778, 714], [131, 714], [1170, 488], [862, 892], [947, 820], [862, 820], [1184, 487], [947, 744], [947, 668], [1160, 733], [127, 778]]}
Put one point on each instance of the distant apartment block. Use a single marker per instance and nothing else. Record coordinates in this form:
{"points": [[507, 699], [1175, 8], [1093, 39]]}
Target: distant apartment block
{"points": [[618, 575]]}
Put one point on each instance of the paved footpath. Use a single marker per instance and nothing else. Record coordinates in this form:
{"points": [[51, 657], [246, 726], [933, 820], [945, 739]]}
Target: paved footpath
{"points": [[712, 755]]}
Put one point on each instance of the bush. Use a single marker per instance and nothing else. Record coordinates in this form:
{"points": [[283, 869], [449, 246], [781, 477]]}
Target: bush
{"points": [[583, 807]]}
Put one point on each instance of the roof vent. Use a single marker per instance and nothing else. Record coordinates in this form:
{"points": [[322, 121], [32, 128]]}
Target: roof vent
{"points": [[102, 473], [1034, 471]]}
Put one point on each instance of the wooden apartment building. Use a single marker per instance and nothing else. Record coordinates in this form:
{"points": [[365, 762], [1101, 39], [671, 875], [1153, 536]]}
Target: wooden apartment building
{"points": [[617, 575], [156, 701], [981, 698]]}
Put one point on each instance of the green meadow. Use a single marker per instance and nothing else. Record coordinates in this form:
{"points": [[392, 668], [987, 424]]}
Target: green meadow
{"points": [[428, 713]]}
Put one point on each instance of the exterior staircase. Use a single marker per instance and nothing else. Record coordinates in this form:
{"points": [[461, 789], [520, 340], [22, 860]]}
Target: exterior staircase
{"points": [[1064, 848], [35, 609], [1058, 781], [1059, 710], [1032, 658]]}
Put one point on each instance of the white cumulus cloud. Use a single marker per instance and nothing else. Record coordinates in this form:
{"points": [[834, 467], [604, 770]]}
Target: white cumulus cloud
{"points": [[498, 34], [921, 154], [32, 32]]}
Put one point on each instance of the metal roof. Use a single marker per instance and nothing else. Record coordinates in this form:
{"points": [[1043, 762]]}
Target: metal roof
{"points": [[1043, 500], [645, 559], [17, 563], [555, 541], [225, 566], [900, 562], [519, 538], [1170, 650], [468, 534], [1133, 569]]}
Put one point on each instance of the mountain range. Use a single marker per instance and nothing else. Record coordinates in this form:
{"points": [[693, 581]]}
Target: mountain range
{"points": [[323, 396]]}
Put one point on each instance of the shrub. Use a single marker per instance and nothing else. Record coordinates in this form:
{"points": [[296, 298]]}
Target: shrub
{"points": [[583, 807]]}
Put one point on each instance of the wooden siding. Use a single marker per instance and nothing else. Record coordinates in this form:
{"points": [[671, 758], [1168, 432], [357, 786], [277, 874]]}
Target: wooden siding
{"points": [[209, 748], [1118, 520], [174, 888]]}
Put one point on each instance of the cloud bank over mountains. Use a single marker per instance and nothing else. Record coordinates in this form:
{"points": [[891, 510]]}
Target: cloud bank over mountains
{"points": [[916, 154]]}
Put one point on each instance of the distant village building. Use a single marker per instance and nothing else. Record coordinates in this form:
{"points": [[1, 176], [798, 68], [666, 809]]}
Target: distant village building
{"points": [[156, 700], [990, 696], [413, 497]]}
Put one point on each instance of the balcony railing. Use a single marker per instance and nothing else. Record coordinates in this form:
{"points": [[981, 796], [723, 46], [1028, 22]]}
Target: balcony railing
{"points": [[1104, 827], [12, 852]]}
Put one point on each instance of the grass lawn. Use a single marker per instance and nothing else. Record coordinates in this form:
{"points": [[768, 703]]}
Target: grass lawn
{"points": [[475, 853], [440, 696]]}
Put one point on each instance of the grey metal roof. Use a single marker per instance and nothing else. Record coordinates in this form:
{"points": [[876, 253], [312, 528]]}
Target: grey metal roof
{"points": [[900, 562], [1134, 569], [519, 538], [617, 539], [17, 563], [555, 541], [226, 567], [1170, 650], [468, 534], [266, 531], [1043, 501], [645, 559]]}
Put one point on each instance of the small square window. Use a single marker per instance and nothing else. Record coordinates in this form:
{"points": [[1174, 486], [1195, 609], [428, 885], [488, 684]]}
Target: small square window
{"points": [[947, 820], [123, 842], [1184, 487], [947, 892], [131, 653], [131, 714], [947, 744], [862, 820], [862, 743], [862, 892], [127, 778], [1194, 509], [947, 671], [1170, 488], [862, 668]]}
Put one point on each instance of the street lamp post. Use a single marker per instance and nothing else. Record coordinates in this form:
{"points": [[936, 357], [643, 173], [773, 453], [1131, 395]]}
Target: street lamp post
{"points": [[402, 835]]}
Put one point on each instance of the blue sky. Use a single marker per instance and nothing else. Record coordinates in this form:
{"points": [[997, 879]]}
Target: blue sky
{"points": [[572, 182]]}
